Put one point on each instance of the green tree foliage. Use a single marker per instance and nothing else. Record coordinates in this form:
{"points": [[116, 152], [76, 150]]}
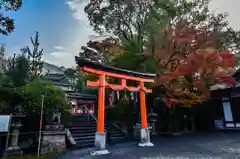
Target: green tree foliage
{"points": [[70, 72], [75, 77], [16, 71], [7, 24], [9, 98], [124, 19], [80, 82], [4, 80], [31, 94], [71, 75], [21, 84], [138, 24], [35, 56], [22, 68]]}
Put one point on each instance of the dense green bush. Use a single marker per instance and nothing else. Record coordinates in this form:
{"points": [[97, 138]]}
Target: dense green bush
{"points": [[9, 97], [31, 99]]}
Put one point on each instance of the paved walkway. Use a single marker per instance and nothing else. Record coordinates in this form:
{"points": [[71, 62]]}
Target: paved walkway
{"points": [[195, 146]]}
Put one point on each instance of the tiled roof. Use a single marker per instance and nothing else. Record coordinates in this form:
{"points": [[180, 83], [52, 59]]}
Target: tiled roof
{"points": [[57, 78], [60, 69], [81, 95]]}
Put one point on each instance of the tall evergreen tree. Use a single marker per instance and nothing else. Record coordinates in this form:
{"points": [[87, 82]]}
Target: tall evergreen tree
{"points": [[35, 56]]}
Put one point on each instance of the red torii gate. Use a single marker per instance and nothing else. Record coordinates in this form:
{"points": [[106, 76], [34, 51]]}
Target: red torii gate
{"points": [[102, 71]]}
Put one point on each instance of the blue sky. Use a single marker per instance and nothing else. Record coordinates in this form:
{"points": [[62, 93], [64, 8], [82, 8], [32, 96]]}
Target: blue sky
{"points": [[62, 25], [64, 28]]}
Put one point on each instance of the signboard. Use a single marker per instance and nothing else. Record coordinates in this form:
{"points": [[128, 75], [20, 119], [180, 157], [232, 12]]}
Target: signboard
{"points": [[4, 123], [227, 112]]}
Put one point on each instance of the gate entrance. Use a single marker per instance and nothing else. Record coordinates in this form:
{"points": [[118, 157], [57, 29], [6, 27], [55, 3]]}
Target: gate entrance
{"points": [[103, 71]]}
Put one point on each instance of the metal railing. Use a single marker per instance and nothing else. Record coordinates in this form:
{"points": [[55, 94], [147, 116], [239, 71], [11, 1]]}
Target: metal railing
{"points": [[121, 127], [90, 114]]}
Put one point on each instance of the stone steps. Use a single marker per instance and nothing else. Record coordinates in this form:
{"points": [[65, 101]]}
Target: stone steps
{"points": [[84, 128]]}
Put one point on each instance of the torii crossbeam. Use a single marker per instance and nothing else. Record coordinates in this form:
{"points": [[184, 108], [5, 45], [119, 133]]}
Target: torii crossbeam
{"points": [[103, 71]]}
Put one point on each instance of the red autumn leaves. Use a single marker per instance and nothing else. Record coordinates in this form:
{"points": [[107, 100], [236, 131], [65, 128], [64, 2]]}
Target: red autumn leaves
{"points": [[191, 62]]}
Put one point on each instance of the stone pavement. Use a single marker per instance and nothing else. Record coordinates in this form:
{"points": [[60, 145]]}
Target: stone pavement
{"points": [[195, 146]]}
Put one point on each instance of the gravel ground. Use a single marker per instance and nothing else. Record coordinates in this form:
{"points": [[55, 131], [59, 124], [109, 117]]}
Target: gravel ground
{"points": [[195, 146]]}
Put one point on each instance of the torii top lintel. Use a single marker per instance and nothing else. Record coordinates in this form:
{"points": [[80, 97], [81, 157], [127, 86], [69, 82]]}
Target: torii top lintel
{"points": [[89, 66], [99, 69]]}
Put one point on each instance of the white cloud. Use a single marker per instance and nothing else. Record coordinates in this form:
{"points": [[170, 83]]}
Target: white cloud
{"points": [[77, 7], [59, 47], [61, 58], [65, 56], [59, 54], [229, 6]]}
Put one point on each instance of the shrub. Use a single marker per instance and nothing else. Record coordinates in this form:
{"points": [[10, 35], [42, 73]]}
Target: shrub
{"points": [[31, 94]]}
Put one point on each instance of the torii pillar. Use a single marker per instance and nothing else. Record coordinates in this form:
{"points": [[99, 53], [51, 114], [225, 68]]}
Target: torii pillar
{"points": [[145, 134], [100, 136]]}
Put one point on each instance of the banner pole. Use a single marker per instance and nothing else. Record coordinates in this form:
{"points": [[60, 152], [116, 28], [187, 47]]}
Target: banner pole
{"points": [[40, 126]]}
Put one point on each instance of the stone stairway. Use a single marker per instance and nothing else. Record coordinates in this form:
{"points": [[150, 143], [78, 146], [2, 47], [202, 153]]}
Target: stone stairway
{"points": [[83, 129], [115, 135]]}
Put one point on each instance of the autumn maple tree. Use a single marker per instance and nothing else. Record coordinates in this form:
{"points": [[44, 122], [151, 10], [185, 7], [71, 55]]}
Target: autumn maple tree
{"points": [[189, 64], [101, 51]]}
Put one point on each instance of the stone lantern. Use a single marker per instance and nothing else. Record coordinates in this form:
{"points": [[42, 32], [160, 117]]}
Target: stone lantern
{"points": [[13, 148], [152, 118]]}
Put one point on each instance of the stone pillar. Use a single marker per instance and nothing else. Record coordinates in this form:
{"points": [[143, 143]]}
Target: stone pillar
{"points": [[137, 131], [53, 139], [13, 148], [154, 132]]}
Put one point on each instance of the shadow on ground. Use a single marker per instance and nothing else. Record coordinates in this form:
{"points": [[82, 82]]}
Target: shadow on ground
{"points": [[196, 146]]}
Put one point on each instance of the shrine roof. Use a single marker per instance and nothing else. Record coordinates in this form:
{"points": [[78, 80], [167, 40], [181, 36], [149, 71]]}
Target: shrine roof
{"points": [[57, 79], [78, 95], [81, 62], [222, 87]]}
